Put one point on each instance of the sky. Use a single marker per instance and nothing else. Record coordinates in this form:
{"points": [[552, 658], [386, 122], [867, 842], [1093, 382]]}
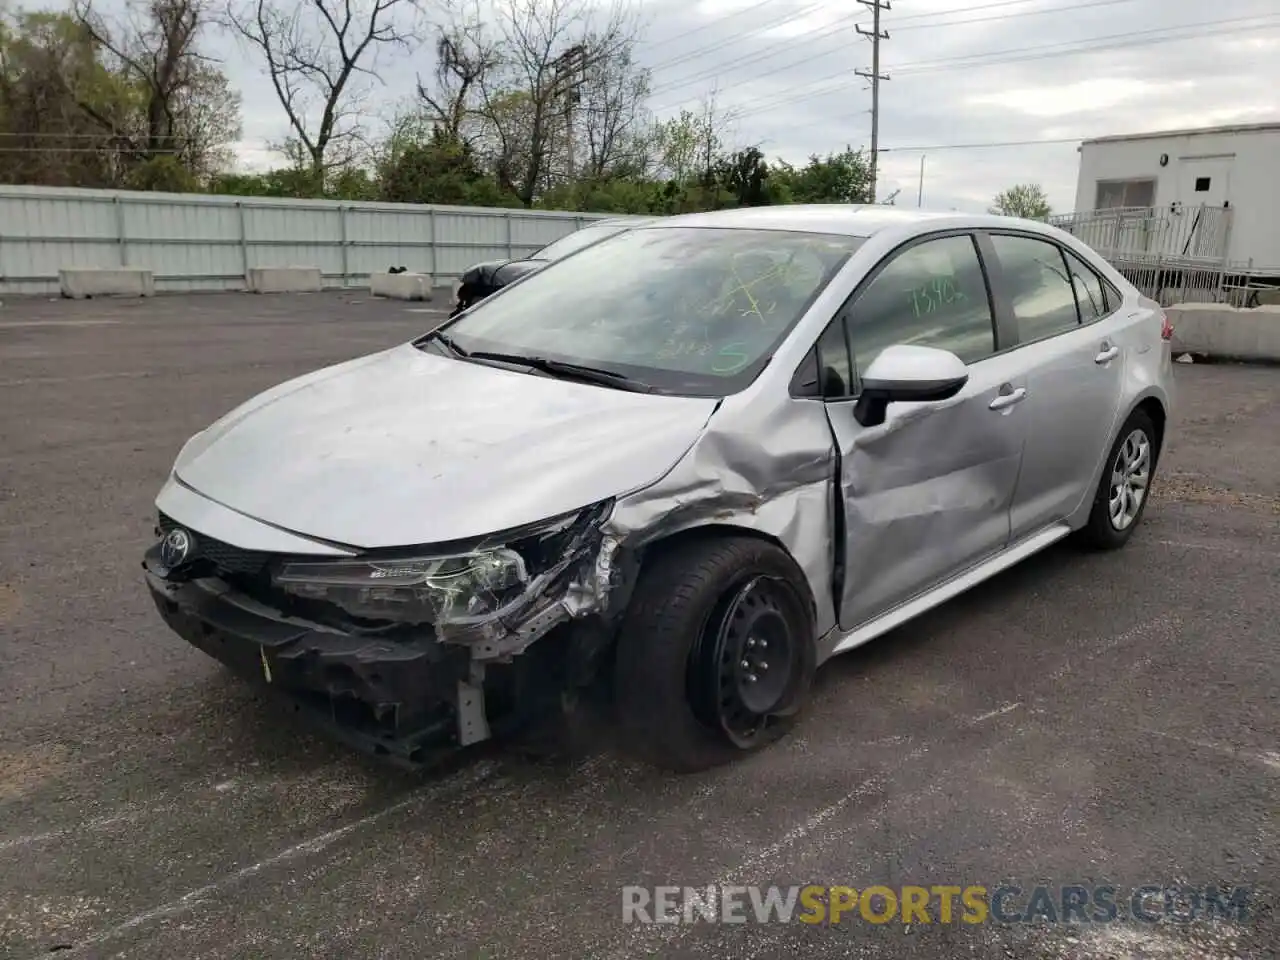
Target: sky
{"points": [[961, 72]]}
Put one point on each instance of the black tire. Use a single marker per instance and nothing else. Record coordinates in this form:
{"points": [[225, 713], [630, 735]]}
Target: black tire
{"points": [[683, 644], [1100, 532]]}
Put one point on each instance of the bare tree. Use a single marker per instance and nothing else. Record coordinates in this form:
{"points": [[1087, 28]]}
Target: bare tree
{"points": [[549, 47], [155, 46], [209, 121], [320, 56], [615, 121], [189, 113], [467, 55], [688, 146]]}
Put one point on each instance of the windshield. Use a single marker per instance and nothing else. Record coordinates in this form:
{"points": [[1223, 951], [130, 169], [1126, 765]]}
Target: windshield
{"points": [[583, 237], [689, 310]]}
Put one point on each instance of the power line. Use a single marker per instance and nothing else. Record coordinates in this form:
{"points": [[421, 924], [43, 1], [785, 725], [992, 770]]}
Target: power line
{"points": [[740, 62], [930, 148], [974, 9], [836, 29], [1009, 16], [104, 148], [1030, 53], [875, 76], [104, 136], [727, 16], [1005, 57], [699, 52]]}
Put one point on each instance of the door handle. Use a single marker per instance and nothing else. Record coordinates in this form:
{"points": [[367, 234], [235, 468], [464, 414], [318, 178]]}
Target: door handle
{"points": [[1110, 353], [1008, 399]]}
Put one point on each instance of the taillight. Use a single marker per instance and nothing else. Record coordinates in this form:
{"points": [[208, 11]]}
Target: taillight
{"points": [[1166, 328]]}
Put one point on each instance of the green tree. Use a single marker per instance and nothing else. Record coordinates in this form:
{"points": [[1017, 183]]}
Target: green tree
{"points": [[82, 104], [744, 175], [1026, 200], [622, 194], [843, 177], [288, 182], [164, 173], [185, 108], [59, 106], [438, 170]]}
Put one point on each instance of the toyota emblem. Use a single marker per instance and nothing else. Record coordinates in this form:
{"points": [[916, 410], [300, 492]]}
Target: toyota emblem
{"points": [[176, 547]]}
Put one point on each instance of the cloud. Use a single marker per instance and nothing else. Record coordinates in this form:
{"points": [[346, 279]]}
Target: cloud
{"points": [[961, 72], [1079, 97], [969, 73]]}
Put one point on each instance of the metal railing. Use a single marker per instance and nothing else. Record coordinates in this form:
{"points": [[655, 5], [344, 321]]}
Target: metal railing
{"points": [[1173, 254]]}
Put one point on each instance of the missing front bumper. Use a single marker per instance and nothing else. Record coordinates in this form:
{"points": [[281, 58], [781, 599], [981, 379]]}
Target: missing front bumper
{"points": [[409, 701]]}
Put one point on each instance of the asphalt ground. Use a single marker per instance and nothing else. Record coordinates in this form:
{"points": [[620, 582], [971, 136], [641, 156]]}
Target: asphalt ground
{"points": [[1082, 719]]}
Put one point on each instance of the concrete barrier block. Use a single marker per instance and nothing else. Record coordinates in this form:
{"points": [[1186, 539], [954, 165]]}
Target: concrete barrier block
{"points": [[284, 279], [78, 283], [1226, 332], [401, 286]]}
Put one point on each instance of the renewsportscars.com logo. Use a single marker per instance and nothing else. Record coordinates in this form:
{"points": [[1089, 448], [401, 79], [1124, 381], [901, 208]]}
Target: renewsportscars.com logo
{"points": [[936, 903]]}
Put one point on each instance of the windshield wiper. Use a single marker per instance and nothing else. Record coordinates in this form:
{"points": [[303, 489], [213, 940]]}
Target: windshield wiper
{"points": [[563, 368], [447, 340]]}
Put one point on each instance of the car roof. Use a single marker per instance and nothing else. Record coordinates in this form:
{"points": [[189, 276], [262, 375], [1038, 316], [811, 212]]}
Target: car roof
{"points": [[617, 222], [849, 219]]}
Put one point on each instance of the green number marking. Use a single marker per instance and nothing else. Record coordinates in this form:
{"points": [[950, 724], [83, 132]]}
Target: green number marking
{"points": [[933, 294], [683, 348]]}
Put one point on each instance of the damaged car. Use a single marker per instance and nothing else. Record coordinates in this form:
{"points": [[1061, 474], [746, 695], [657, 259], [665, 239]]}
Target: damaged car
{"points": [[482, 280], [716, 451]]}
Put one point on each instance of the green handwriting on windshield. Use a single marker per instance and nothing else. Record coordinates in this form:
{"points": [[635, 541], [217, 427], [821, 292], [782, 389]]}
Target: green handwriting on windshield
{"points": [[934, 294], [724, 360], [753, 291]]}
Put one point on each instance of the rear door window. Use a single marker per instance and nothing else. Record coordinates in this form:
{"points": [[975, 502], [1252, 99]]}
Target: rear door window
{"points": [[1036, 281], [1089, 291]]}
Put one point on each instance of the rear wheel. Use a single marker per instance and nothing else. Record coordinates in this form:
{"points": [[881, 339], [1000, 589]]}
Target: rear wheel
{"points": [[1125, 485], [716, 654]]}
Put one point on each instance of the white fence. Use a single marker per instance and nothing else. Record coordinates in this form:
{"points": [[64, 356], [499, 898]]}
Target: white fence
{"points": [[199, 242]]}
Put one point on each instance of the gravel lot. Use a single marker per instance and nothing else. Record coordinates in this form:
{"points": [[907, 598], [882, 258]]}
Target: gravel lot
{"points": [[1078, 720]]}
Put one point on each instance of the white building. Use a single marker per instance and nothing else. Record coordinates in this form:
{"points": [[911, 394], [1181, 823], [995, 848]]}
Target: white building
{"points": [[1186, 178]]}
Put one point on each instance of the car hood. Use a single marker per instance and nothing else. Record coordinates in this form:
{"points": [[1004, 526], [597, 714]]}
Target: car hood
{"points": [[405, 447]]}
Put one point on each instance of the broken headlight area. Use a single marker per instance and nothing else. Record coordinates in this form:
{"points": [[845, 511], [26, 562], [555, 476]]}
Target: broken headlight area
{"points": [[456, 589], [450, 589]]}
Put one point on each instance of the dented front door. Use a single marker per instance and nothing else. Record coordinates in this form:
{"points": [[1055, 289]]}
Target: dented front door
{"points": [[927, 493]]}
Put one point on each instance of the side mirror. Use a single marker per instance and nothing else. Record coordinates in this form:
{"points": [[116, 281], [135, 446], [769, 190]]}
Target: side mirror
{"points": [[902, 374]]}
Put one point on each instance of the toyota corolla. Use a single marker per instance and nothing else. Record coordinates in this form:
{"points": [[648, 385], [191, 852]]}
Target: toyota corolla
{"points": [[683, 468]]}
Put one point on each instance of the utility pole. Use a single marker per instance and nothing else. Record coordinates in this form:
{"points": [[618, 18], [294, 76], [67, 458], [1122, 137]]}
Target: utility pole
{"points": [[875, 76], [570, 73]]}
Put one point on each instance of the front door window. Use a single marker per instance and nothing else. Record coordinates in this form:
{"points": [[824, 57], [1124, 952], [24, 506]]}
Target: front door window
{"points": [[932, 294]]}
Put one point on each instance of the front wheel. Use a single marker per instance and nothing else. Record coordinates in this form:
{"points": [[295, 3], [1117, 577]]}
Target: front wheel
{"points": [[716, 654], [1125, 486]]}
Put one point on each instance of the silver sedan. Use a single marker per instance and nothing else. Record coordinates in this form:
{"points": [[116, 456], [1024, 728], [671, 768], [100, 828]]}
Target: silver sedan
{"points": [[678, 469]]}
